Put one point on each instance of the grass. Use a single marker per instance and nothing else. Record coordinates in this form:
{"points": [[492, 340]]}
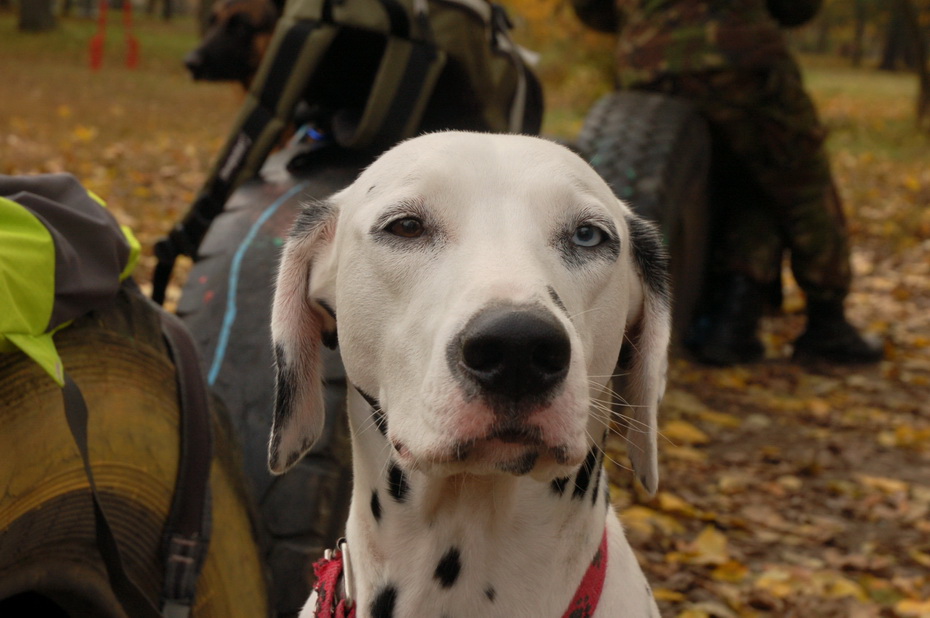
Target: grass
{"points": [[144, 139], [867, 111]]}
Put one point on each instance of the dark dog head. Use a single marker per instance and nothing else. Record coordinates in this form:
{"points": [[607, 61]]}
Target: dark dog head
{"points": [[235, 41]]}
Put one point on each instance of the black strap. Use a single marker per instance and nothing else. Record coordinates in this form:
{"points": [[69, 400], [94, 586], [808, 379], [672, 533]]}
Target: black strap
{"points": [[187, 531], [134, 601], [240, 149], [186, 534]]}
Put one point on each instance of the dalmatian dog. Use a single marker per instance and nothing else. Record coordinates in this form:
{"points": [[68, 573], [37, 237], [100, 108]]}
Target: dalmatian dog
{"points": [[497, 307]]}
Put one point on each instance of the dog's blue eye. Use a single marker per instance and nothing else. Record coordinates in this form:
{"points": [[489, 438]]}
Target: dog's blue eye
{"points": [[407, 227], [588, 236]]}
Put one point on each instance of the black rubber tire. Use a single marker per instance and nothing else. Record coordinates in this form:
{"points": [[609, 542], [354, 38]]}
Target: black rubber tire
{"points": [[49, 561], [226, 303], [655, 151]]}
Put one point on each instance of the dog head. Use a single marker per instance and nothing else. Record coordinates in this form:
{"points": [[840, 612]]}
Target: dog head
{"points": [[235, 41], [485, 288]]}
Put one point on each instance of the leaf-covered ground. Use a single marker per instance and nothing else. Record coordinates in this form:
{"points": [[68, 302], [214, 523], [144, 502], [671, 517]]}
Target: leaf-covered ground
{"points": [[805, 491], [785, 490]]}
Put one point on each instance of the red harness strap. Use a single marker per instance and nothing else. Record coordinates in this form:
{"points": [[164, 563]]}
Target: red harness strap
{"points": [[329, 602], [328, 571], [591, 586]]}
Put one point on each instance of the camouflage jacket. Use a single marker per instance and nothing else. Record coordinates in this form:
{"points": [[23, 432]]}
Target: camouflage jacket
{"points": [[661, 37]]}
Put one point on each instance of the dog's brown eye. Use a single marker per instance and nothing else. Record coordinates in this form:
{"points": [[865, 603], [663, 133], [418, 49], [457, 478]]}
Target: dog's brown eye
{"points": [[406, 228]]}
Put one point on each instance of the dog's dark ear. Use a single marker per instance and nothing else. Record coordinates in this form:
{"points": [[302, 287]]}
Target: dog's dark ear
{"points": [[301, 322], [641, 371]]}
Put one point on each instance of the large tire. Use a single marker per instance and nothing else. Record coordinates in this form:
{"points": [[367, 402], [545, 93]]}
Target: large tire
{"points": [[226, 303], [655, 153], [49, 562]]}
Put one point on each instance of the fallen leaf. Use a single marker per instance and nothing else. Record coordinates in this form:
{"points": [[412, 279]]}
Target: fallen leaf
{"points": [[645, 521], [682, 432], [708, 548]]}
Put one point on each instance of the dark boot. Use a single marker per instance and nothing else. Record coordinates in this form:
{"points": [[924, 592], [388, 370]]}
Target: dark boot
{"points": [[728, 334], [830, 337]]}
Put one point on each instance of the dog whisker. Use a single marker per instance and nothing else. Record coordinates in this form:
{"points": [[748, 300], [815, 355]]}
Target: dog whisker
{"points": [[607, 456]]}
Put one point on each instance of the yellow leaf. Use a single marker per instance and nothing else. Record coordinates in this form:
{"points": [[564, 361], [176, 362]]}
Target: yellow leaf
{"points": [[911, 608], [908, 436], [833, 585], [919, 557], [84, 134], [683, 432], [732, 572], [710, 547], [776, 581], [664, 594], [684, 453], [720, 418], [736, 378], [669, 502], [64, 111], [644, 521], [693, 613], [883, 484]]}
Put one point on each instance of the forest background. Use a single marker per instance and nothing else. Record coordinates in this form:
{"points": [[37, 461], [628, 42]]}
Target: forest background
{"points": [[785, 490]]}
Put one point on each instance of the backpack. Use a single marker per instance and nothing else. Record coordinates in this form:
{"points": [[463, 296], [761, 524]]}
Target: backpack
{"points": [[368, 73], [62, 256]]}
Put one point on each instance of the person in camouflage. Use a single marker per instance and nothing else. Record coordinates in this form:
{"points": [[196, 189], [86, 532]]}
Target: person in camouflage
{"points": [[773, 187]]}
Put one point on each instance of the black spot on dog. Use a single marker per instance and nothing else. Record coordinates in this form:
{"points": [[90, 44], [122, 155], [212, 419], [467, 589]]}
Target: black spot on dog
{"points": [[330, 339], [521, 466], [376, 506], [383, 604], [377, 413], [651, 257], [327, 308], [597, 481], [313, 215], [398, 485], [285, 394], [558, 485], [557, 300], [491, 593], [285, 386], [597, 478], [449, 567], [583, 478]]}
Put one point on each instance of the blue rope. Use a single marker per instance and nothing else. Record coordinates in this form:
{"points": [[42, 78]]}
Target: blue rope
{"points": [[229, 318]]}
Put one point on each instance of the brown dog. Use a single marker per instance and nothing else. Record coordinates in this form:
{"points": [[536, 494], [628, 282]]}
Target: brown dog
{"points": [[235, 40]]}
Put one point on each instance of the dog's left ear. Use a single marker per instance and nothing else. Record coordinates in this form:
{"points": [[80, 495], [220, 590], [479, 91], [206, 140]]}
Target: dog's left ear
{"points": [[301, 322], [641, 369]]}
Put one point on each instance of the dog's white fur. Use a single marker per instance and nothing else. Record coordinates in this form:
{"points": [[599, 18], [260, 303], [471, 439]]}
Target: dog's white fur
{"points": [[499, 216]]}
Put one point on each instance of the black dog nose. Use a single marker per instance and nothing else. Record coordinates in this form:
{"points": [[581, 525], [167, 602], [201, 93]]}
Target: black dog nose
{"points": [[194, 63], [515, 353]]}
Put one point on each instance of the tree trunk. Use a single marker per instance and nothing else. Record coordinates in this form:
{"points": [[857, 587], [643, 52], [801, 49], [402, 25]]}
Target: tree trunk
{"points": [[36, 16], [899, 47], [823, 32], [917, 45], [858, 34]]}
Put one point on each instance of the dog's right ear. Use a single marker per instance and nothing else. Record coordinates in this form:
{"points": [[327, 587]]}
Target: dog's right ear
{"points": [[643, 362], [302, 320]]}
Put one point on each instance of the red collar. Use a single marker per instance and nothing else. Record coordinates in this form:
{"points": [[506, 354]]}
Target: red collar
{"points": [[330, 603], [589, 590]]}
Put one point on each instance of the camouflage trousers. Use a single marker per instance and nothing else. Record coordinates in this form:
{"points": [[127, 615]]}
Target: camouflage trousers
{"points": [[772, 185]]}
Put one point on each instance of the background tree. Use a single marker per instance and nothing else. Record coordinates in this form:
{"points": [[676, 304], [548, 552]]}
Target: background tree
{"points": [[36, 16]]}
